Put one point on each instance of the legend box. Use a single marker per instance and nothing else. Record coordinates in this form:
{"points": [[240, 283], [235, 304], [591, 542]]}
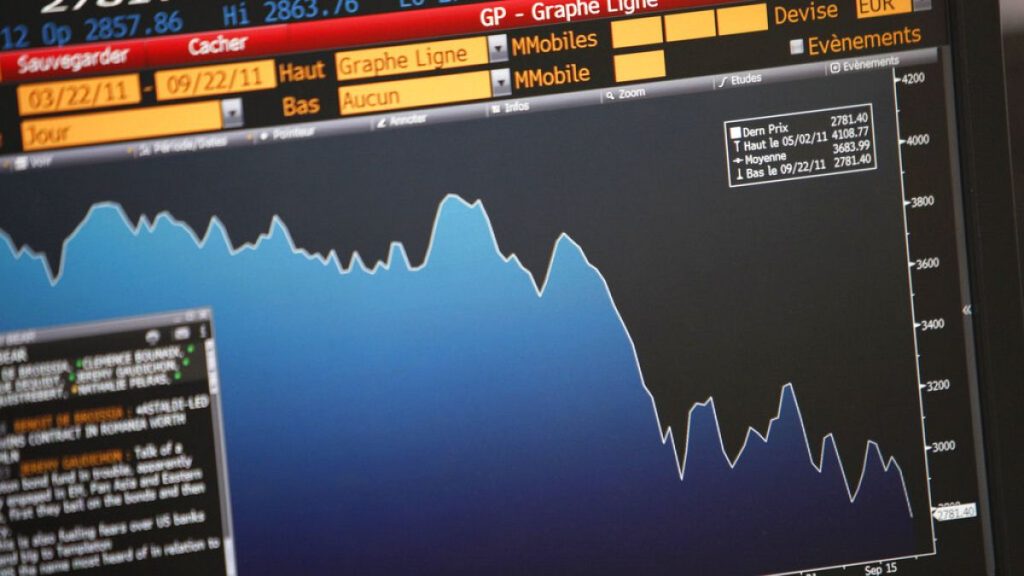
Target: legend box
{"points": [[800, 145]]}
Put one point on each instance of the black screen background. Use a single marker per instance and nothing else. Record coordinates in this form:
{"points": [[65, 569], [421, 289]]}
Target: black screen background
{"points": [[730, 293]]}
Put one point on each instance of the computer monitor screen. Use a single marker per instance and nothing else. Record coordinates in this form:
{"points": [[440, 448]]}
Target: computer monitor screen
{"points": [[486, 287]]}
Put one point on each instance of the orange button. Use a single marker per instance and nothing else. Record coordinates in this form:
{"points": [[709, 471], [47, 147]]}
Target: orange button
{"points": [[104, 127], [422, 57], [215, 80], [84, 94], [415, 93], [874, 8], [742, 19], [639, 66]]}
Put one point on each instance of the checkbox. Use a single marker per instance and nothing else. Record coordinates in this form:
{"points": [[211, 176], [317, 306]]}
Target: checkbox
{"points": [[736, 132], [796, 47]]}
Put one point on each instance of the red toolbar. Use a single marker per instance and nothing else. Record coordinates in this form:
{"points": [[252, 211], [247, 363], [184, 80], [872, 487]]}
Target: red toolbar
{"points": [[185, 49]]}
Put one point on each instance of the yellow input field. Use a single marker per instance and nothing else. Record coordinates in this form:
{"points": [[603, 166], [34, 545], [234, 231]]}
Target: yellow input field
{"points": [[874, 8], [400, 94], [742, 19], [640, 66], [104, 127], [422, 57], [85, 94], [636, 32], [215, 80], [690, 26]]}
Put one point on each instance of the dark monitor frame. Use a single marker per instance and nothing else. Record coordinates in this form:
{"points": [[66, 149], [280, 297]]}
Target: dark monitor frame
{"points": [[993, 233]]}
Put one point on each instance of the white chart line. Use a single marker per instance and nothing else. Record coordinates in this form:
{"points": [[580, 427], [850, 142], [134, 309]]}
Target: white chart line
{"points": [[397, 251]]}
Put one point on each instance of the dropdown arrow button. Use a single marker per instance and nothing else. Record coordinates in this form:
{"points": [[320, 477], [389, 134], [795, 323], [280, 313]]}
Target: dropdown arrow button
{"points": [[496, 48]]}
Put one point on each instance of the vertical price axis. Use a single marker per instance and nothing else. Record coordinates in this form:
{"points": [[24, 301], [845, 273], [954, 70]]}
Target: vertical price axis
{"points": [[901, 142], [940, 297]]}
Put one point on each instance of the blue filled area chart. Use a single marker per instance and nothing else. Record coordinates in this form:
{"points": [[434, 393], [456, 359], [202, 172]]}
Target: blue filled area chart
{"points": [[380, 416]]}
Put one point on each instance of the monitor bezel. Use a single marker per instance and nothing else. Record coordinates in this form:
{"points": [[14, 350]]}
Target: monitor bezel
{"points": [[993, 234]]}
